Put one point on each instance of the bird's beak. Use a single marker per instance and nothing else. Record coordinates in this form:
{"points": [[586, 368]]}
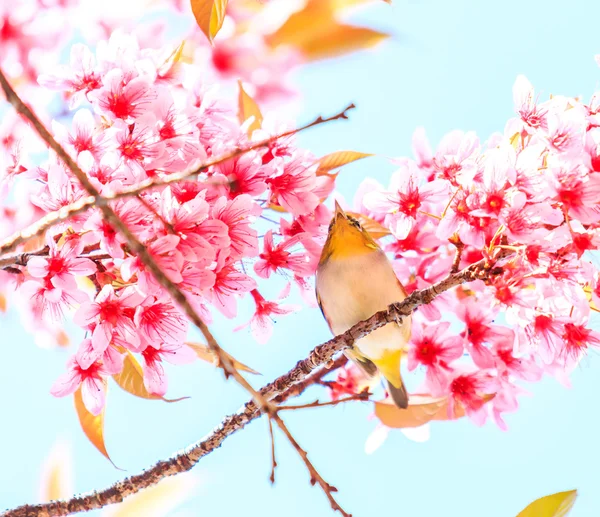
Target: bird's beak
{"points": [[338, 211]]}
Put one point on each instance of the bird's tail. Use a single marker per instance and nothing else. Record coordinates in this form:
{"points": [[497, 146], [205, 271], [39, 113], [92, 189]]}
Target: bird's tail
{"points": [[399, 395], [389, 367]]}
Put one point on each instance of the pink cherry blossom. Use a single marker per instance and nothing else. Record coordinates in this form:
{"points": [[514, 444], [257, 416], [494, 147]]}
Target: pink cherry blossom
{"points": [[471, 391], [62, 265], [261, 323], [111, 316], [155, 379], [91, 380], [405, 199], [277, 258], [293, 187], [430, 348]]}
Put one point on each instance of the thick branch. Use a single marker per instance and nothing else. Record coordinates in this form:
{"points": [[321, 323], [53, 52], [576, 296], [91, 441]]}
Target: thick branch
{"points": [[282, 388]]}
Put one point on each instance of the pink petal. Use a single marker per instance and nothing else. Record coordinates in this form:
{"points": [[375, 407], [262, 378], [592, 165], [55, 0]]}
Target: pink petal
{"points": [[86, 314], [37, 267], [82, 266], [66, 384], [177, 354], [93, 394], [113, 361], [102, 336], [155, 379], [86, 354]]}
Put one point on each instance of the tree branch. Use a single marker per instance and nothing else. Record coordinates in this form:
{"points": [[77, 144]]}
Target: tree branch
{"points": [[85, 203], [286, 386], [134, 243], [136, 246]]}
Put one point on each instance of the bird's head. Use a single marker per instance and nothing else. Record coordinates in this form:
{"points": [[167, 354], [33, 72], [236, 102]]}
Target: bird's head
{"points": [[346, 237]]}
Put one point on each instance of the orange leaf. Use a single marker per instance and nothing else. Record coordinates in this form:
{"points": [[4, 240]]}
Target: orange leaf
{"points": [[206, 354], [57, 478], [247, 108], [341, 39], [210, 15], [421, 409], [3, 303], [131, 379], [338, 159], [93, 426], [317, 34], [375, 229]]}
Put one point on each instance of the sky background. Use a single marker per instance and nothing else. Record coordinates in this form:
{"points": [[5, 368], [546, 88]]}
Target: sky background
{"points": [[450, 65]]}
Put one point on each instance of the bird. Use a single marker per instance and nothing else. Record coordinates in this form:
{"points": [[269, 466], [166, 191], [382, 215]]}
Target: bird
{"points": [[354, 280]]}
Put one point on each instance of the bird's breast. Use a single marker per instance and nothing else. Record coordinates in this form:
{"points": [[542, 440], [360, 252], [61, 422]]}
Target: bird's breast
{"points": [[354, 288]]}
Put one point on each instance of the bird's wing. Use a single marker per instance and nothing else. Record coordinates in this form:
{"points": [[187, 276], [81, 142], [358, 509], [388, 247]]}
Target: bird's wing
{"points": [[322, 311], [366, 366]]}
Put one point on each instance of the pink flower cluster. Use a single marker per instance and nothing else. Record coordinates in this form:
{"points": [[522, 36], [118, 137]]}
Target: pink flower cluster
{"points": [[142, 114], [532, 191]]}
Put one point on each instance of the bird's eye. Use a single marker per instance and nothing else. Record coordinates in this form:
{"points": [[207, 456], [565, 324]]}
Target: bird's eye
{"points": [[354, 222]]}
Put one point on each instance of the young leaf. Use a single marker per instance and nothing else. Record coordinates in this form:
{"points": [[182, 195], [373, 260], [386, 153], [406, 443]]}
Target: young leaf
{"points": [[210, 15], [247, 108], [375, 229], [338, 159], [554, 505], [131, 379], [93, 426], [315, 31], [206, 354], [421, 409]]}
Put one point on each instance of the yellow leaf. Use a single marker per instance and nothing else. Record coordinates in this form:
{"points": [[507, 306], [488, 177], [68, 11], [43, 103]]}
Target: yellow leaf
{"points": [[317, 34], [338, 159], [206, 354], [93, 426], [555, 505], [57, 480], [156, 501], [375, 229], [210, 15], [247, 108], [131, 379]]}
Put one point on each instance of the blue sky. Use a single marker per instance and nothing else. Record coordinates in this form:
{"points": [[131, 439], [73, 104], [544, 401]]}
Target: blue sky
{"points": [[450, 65]]}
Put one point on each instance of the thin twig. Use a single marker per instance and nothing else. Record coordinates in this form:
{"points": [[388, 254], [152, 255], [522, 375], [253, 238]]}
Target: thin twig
{"points": [[21, 259], [315, 477], [87, 202], [362, 396], [288, 385], [273, 460]]}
